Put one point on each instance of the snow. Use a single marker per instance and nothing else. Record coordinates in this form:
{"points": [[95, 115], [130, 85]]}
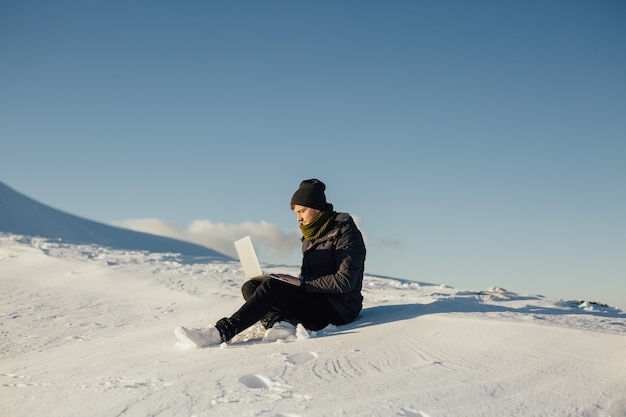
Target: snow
{"points": [[88, 330]]}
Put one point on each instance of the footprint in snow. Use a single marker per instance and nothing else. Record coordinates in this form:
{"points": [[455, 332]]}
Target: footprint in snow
{"points": [[256, 381], [302, 357], [264, 383]]}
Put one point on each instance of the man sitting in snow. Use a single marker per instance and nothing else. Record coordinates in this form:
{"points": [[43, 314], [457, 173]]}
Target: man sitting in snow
{"points": [[328, 290]]}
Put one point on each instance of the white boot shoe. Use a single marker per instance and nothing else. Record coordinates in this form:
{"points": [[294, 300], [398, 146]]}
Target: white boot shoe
{"points": [[280, 330], [208, 336]]}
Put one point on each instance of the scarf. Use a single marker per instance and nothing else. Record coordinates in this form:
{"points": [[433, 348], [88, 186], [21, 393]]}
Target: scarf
{"points": [[319, 225]]}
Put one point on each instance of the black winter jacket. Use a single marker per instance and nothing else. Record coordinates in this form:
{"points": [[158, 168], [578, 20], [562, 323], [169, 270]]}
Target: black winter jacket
{"points": [[333, 264]]}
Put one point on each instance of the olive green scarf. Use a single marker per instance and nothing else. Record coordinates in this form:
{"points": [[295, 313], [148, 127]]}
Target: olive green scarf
{"points": [[319, 225]]}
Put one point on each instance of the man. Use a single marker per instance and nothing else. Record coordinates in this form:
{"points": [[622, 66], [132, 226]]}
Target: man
{"points": [[328, 290]]}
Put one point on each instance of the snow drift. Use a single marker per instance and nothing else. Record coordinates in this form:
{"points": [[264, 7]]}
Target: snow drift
{"points": [[25, 216]]}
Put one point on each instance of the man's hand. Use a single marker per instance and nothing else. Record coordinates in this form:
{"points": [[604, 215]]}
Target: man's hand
{"points": [[287, 278]]}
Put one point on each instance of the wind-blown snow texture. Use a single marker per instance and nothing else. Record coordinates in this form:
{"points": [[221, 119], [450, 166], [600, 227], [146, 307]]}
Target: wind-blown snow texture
{"points": [[88, 331]]}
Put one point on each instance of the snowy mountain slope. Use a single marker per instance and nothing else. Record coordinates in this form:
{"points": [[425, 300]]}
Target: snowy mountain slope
{"points": [[22, 215], [87, 330]]}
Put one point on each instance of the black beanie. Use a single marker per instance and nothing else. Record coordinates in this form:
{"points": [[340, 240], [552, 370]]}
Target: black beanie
{"points": [[310, 194]]}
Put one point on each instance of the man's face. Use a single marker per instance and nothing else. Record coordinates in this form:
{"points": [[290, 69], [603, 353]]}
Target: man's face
{"points": [[305, 214]]}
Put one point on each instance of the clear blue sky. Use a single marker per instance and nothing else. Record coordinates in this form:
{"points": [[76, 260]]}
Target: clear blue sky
{"points": [[479, 143]]}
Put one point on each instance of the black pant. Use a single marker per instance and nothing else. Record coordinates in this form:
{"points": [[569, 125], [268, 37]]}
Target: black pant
{"points": [[270, 300]]}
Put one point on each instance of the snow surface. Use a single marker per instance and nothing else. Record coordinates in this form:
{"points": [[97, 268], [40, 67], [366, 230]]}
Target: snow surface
{"points": [[88, 331]]}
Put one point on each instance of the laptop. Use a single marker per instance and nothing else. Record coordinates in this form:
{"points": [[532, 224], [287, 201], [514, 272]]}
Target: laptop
{"points": [[249, 260]]}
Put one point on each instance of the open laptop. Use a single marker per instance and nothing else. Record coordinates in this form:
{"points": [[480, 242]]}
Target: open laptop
{"points": [[249, 260]]}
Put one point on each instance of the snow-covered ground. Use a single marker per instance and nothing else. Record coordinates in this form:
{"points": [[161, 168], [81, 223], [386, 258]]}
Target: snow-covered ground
{"points": [[88, 331]]}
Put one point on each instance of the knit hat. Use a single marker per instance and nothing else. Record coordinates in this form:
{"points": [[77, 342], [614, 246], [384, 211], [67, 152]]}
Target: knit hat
{"points": [[310, 194]]}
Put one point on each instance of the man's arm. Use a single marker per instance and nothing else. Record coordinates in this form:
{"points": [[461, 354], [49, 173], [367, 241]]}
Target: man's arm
{"points": [[350, 260]]}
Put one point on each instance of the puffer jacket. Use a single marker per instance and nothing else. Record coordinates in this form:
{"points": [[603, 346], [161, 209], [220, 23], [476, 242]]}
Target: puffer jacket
{"points": [[333, 264]]}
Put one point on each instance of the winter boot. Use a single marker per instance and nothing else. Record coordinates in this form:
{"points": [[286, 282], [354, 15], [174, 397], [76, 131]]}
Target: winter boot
{"points": [[280, 330], [208, 336]]}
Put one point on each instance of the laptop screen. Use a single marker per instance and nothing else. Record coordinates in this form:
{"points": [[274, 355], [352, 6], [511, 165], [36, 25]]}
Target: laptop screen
{"points": [[247, 257]]}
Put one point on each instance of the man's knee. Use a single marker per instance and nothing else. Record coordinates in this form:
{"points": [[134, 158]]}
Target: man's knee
{"points": [[250, 286]]}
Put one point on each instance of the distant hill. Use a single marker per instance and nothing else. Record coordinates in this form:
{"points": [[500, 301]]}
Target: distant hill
{"points": [[24, 216]]}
